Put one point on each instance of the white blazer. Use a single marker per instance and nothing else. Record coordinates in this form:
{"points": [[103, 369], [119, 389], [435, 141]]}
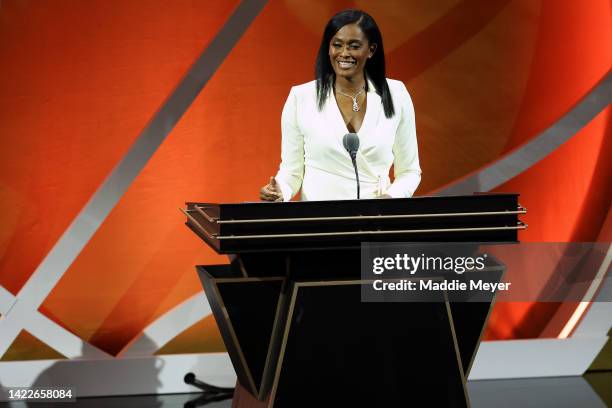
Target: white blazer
{"points": [[314, 160]]}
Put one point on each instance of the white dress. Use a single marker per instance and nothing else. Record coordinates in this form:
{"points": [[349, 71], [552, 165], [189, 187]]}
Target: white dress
{"points": [[313, 157]]}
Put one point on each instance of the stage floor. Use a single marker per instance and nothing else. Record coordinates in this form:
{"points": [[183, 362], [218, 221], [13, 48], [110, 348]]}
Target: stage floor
{"points": [[591, 390]]}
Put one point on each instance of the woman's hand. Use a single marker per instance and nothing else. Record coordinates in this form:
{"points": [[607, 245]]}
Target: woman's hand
{"points": [[384, 196], [271, 191]]}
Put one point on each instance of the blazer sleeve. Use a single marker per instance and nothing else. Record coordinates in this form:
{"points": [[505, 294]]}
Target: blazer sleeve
{"points": [[291, 171], [406, 168]]}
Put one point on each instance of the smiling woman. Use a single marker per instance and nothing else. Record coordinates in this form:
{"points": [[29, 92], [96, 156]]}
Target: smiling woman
{"points": [[350, 94], [348, 53]]}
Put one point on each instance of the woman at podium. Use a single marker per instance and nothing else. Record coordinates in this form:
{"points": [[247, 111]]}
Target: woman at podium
{"points": [[351, 94]]}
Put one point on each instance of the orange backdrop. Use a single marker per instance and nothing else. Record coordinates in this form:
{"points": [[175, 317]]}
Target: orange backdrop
{"points": [[80, 80]]}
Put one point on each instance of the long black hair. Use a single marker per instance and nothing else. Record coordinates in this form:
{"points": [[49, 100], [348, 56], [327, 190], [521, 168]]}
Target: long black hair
{"points": [[374, 68]]}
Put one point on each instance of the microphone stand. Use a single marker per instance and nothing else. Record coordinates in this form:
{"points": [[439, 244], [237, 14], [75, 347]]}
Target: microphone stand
{"points": [[210, 392], [350, 141], [354, 160]]}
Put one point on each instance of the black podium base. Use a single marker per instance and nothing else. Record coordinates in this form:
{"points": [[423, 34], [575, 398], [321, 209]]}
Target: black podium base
{"points": [[316, 344]]}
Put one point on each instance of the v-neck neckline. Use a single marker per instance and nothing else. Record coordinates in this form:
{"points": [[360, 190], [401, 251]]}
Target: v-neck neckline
{"points": [[365, 116]]}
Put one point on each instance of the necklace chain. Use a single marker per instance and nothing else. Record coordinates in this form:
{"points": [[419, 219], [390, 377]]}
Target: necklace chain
{"points": [[354, 98]]}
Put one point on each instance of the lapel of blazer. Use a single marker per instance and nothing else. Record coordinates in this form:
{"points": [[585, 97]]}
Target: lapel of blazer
{"points": [[367, 132], [333, 119], [337, 128], [373, 109]]}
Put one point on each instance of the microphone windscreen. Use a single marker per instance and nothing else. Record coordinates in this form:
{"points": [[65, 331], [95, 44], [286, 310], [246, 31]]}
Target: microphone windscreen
{"points": [[351, 142]]}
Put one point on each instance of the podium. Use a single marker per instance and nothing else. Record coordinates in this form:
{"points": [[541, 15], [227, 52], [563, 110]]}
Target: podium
{"points": [[289, 306]]}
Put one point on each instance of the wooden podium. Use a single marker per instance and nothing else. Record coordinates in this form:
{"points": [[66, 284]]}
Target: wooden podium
{"points": [[289, 304]]}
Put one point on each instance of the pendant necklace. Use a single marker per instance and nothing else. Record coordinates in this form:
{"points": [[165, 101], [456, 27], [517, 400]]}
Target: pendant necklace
{"points": [[354, 98]]}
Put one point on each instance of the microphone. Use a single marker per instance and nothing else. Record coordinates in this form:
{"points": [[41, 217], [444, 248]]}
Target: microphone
{"points": [[351, 144]]}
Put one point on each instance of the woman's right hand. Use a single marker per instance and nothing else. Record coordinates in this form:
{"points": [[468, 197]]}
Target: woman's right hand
{"points": [[271, 191]]}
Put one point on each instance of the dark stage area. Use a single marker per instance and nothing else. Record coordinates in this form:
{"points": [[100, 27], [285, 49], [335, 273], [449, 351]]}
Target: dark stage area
{"points": [[591, 390]]}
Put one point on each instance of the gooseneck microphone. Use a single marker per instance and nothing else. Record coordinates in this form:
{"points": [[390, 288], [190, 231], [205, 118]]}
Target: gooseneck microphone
{"points": [[351, 144]]}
